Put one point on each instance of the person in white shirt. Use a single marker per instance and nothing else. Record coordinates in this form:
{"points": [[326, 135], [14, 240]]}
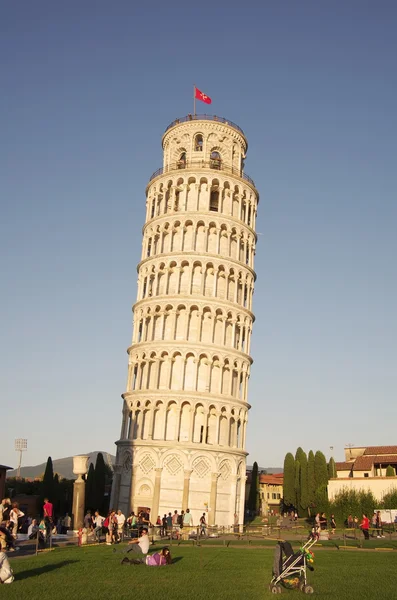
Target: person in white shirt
{"points": [[33, 527], [15, 514], [140, 548], [98, 522], [120, 522]]}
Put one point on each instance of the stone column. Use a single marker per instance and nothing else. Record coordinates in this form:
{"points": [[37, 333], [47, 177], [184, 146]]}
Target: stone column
{"points": [[233, 493], [213, 493], [80, 468], [186, 485], [156, 494]]}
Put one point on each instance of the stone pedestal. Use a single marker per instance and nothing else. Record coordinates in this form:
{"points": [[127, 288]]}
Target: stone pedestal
{"points": [[79, 468]]}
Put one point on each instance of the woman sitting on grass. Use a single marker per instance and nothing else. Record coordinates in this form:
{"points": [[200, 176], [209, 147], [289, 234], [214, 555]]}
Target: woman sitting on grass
{"points": [[158, 559]]}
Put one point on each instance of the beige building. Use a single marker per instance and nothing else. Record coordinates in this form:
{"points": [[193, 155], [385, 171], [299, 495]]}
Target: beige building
{"points": [[271, 493], [364, 468], [185, 411]]}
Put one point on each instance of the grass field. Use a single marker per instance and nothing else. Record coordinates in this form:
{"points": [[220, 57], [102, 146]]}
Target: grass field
{"points": [[201, 573]]}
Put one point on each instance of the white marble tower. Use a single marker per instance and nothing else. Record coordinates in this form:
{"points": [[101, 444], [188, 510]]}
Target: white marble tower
{"points": [[182, 442]]}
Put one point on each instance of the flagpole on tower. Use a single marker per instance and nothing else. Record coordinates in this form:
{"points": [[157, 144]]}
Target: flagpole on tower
{"points": [[194, 100]]}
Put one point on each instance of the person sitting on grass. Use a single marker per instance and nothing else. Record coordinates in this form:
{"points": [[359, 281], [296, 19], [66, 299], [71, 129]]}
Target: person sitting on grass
{"points": [[140, 547], [158, 559]]}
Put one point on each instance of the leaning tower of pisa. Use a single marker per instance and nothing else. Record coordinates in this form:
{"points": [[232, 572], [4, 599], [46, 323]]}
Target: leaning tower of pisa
{"points": [[183, 433]]}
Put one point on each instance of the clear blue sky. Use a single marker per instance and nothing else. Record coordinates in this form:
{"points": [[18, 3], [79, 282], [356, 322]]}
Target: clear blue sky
{"points": [[87, 89]]}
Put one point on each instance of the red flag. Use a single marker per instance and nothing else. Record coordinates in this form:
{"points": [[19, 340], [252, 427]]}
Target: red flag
{"points": [[201, 96]]}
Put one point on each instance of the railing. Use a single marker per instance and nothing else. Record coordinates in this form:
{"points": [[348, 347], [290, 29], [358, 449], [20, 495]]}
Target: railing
{"points": [[205, 118], [214, 164]]}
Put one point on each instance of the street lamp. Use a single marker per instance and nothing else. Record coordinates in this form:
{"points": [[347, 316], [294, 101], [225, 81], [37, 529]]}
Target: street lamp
{"points": [[20, 446]]}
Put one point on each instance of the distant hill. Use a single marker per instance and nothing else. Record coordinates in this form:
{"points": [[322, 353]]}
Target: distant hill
{"points": [[269, 470], [62, 466]]}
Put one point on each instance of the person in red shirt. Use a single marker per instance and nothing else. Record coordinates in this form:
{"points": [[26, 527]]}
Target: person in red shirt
{"points": [[47, 510], [364, 525]]}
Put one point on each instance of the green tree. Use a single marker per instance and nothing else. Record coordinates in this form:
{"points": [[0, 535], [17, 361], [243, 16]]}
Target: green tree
{"points": [[289, 480], [90, 489], [311, 482], [100, 484], [253, 493], [390, 499], [48, 481], [304, 497], [297, 484], [351, 502], [390, 471], [320, 470], [331, 469]]}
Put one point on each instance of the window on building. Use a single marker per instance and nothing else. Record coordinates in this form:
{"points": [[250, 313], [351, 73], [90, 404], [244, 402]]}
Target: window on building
{"points": [[149, 247], [366, 474], [176, 206], [268, 495], [152, 213], [214, 201], [198, 143], [182, 161], [273, 496], [215, 160], [278, 496]]}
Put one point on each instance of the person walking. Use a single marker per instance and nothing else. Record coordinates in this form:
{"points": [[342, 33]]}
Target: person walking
{"points": [[48, 510], [98, 524], [203, 525], [364, 525], [120, 524], [332, 522], [373, 525], [379, 525]]}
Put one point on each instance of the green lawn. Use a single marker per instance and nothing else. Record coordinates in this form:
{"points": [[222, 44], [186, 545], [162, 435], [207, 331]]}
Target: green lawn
{"points": [[201, 573]]}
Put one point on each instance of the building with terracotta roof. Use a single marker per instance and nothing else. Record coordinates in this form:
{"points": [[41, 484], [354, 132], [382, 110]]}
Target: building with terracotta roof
{"points": [[270, 492], [365, 468]]}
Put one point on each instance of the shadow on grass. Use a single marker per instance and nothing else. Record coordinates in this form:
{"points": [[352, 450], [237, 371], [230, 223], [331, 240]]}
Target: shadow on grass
{"points": [[42, 570], [176, 559]]}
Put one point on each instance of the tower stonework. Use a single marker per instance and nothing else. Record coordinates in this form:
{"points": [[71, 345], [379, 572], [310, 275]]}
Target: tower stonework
{"points": [[182, 442]]}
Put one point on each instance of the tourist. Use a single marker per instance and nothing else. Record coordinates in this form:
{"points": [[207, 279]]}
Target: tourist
{"points": [[373, 525], [106, 529], [333, 523], [146, 517], [169, 523], [88, 520], [15, 514], [113, 527], [32, 529], [203, 525], [350, 522], [180, 519], [7, 542], [187, 518], [66, 523], [98, 523], [6, 574], [159, 559], [379, 525], [323, 521], [317, 521], [163, 531], [5, 509], [120, 523], [140, 546], [364, 525], [48, 514]]}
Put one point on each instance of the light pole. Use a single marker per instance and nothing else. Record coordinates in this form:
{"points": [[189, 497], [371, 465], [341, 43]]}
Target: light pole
{"points": [[21, 445]]}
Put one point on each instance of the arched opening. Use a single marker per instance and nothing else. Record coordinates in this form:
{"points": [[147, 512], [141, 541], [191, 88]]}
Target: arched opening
{"points": [[214, 201], [215, 160], [198, 143], [181, 164]]}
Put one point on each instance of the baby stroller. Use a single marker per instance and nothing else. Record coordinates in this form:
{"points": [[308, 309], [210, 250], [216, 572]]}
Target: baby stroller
{"points": [[289, 568]]}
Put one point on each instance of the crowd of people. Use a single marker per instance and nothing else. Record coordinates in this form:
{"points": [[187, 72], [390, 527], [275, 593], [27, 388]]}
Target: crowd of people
{"points": [[115, 526]]}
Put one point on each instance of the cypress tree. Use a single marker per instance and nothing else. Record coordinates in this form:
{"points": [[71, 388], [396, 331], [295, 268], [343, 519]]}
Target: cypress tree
{"points": [[289, 480], [320, 470], [297, 484], [48, 481], [253, 493], [304, 497], [311, 484], [331, 469], [100, 483], [90, 495]]}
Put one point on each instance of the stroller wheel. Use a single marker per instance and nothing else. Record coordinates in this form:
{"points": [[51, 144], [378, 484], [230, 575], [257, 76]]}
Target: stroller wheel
{"points": [[308, 589], [275, 589]]}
